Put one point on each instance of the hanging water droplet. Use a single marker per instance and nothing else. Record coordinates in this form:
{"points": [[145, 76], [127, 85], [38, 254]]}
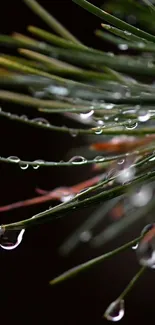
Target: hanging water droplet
{"points": [[77, 160], [123, 47], [131, 125], [15, 159], [120, 162], [146, 248], [98, 130], [142, 196], [23, 165], [135, 247], [115, 311], [73, 132], [11, 239]]}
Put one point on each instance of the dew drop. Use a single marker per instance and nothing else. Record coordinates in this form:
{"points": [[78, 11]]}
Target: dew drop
{"points": [[60, 91], [144, 116], [135, 247], [66, 198], [98, 130], [73, 132], [77, 160], [115, 311], [11, 239], [14, 159], [41, 120], [131, 125], [23, 165], [123, 47], [100, 123], [85, 116], [99, 158], [146, 248]]}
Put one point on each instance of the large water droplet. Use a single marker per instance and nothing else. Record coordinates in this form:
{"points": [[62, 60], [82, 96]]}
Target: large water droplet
{"points": [[11, 239], [115, 311], [77, 160], [14, 159]]}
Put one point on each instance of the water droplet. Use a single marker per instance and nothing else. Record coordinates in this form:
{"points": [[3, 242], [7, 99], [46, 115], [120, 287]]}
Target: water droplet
{"points": [[143, 116], [135, 247], [11, 239], [123, 47], [56, 90], [131, 125], [147, 228], [66, 198], [127, 33], [126, 175], [100, 122], [73, 132], [23, 165], [99, 158], [85, 236], [85, 116], [41, 120], [98, 130], [120, 162], [14, 159], [115, 311], [77, 160], [142, 196], [146, 248]]}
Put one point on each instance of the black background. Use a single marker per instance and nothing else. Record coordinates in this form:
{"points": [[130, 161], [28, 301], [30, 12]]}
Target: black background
{"points": [[25, 294]]}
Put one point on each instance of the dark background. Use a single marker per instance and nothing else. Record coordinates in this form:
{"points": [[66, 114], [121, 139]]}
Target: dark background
{"points": [[26, 296]]}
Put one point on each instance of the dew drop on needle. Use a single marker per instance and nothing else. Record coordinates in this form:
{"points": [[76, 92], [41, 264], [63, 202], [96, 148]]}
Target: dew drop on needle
{"points": [[115, 311]]}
